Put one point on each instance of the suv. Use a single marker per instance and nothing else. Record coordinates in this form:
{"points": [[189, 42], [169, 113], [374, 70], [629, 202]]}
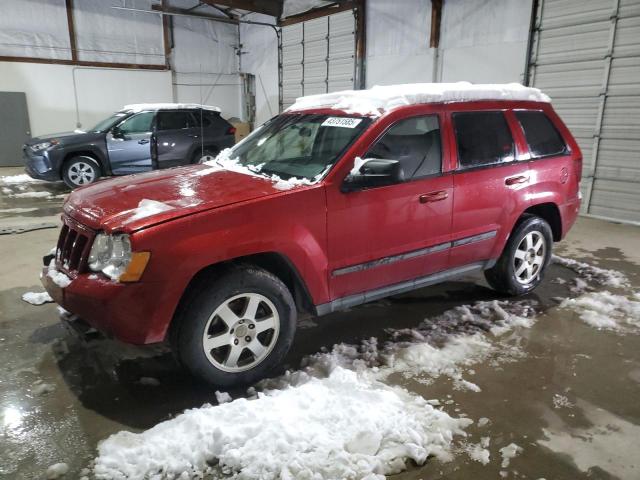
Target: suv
{"points": [[136, 139], [341, 200]]}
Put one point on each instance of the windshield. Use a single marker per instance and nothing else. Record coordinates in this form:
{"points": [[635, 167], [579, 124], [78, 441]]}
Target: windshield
{"points": [[106, 124], [302, 146]]}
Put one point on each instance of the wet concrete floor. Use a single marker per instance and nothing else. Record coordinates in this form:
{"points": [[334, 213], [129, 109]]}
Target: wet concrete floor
{"points": [[59, 397]]}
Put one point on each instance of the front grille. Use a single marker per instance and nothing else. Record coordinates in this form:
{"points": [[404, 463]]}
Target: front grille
{"points": [[74, 245]]}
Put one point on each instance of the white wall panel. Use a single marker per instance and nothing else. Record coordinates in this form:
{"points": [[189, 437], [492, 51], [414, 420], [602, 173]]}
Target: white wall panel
{"points": [[588, 60], [33, 28], [105, 34]]}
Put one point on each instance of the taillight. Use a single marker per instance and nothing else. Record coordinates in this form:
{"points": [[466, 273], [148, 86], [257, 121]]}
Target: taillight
{"points": [[231, 131], [577, 167]]}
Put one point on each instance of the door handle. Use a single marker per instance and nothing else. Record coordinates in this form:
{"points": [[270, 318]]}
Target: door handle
{"points": [[516, 180], [433, 196], [143, 141]]}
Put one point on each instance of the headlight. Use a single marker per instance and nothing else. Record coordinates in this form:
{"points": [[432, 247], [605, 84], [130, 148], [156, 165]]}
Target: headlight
{"points": [[110, 254], [43, 145]]}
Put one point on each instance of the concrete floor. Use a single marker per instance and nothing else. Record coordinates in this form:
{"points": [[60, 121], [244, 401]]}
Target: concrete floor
{"points": [[60, 397]]}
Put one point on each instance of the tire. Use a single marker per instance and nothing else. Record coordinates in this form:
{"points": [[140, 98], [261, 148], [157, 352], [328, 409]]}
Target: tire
{"points": [[200, 156], [522, 265], [80, 171], [218, 308]]}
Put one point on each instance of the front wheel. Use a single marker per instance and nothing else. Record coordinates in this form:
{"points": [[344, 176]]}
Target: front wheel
{"points": [[237, 328], [80, 171], [524, 260]]}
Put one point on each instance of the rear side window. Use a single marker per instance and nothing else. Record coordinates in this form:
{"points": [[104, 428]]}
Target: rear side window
{"points": [[483, 138], [174, 120], [542, 137], [415, 143], [214, 120]]}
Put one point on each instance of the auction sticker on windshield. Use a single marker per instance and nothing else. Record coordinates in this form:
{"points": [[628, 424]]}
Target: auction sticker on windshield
{"points": [[341, 122]]}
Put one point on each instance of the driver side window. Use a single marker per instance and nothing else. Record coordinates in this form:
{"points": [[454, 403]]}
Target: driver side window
{"points": [[415, 143], [138, 123]]}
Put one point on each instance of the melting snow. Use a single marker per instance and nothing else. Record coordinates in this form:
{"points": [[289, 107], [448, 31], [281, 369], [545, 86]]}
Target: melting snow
{"points": [[223, 397], [22, 178], [37, 298], [341, 426], [57, 470], [147, 208], [510, 451], [588, 273], [605, 310], [224, 161], [380, 99], [59, 278]]}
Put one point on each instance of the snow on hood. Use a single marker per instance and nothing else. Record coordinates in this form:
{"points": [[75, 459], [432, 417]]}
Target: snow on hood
{"points": [[379, 99]]}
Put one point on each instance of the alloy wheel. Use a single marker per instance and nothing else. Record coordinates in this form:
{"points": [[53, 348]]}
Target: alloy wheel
{"points": [[241, 332], [529, 257], [81, 173]]}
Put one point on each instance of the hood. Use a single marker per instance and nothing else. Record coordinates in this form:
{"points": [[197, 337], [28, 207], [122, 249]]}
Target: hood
{"points": [[134, 202], [65, 137]]}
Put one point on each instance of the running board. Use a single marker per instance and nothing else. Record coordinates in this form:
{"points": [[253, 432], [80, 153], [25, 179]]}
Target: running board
{"points": [[397, 288]]}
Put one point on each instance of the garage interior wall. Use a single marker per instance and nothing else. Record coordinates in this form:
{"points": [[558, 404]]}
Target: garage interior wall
{"points": [[203, 59], [586, 55]]}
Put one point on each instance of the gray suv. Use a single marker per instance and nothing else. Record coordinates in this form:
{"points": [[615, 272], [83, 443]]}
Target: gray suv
{"points": [[135, 139]]}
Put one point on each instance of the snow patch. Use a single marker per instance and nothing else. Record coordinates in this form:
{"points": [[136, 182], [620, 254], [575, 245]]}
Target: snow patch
{"points": [[14, 179], [37, 298], [591, 273], [137, 107], [59, 278], [510, 451], [30, 195], [478, 452], [40, 388], [147, 208], [604, 310], [380, 99], [224, 161], [223, 397], [57, 470], [341, 426]]}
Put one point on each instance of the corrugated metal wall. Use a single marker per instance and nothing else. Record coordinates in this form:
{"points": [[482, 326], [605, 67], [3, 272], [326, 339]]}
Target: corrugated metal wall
{"points": [[318, 56], [586, 56]]}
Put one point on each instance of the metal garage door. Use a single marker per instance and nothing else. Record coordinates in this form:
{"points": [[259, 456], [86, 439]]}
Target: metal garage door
{"points": [[586, 56], [318, 56]]}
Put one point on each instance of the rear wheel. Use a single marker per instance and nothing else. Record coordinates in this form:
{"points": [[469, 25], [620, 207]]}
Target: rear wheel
{"points": [[206, 155], [79, 171], [237, 328], [524, 260]]}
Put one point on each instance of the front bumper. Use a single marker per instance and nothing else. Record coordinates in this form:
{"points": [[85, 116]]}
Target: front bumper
{"points": [[131, 313], [41, 165]]}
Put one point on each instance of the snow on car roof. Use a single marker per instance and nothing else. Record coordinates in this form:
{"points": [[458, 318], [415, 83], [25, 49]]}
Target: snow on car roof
{"points": [[379, 99], [167, 106]]}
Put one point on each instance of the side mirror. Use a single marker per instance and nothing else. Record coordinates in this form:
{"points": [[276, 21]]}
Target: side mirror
{"points": [[115, 131], [374, 172]]}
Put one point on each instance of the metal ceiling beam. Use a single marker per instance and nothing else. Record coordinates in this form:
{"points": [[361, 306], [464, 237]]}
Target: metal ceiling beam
{"points": [[318, 12], [268, 7]]}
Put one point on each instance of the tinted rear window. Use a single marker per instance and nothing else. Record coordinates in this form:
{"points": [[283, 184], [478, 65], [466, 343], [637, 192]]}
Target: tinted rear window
{"points": [[483, 138], [174, 120], [541, 135]]}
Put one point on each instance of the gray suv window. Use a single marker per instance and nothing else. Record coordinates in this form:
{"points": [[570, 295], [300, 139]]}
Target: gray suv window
{"points": [[174, 120], [138, 123]]}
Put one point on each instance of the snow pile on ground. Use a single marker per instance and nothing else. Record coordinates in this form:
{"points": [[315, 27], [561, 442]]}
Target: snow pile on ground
{"points": [[224, 161], [18, 179], [605, 310], [31, 195], [341, 426], [380, 99], [591, 273], [59, 278], [37, 298], [147, 208]]}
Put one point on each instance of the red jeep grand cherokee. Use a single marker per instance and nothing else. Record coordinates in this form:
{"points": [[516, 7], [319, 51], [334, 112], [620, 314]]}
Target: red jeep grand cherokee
{"points": [[343, 199]]}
